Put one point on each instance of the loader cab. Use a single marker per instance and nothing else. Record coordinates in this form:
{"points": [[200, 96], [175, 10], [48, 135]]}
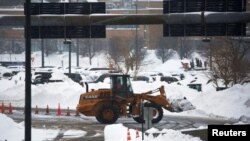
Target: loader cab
{"points": [[121, 86]]}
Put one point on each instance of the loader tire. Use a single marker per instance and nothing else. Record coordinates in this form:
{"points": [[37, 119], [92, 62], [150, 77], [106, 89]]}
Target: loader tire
{"points": [[158, 113], [108, 114]]}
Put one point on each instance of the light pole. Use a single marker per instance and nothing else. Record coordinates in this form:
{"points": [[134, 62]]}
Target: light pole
{"points": [[77, 52], [208, 40], [136, 38], [68, 42], [28, 119]]}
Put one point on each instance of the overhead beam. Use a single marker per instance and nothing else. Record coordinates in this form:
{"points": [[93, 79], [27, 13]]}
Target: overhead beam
{"points": [[127, 19]]}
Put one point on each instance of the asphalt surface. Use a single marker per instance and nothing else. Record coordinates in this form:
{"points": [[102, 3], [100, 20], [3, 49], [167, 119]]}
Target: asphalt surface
{"points": [[95, 130]]}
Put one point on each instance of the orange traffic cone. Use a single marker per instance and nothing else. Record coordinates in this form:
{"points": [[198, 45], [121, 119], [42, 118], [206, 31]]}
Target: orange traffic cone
{"points": [[59, 112], [47, 110], [68, 112], [137, 134], [36, 110], [10, 109], [128, 136], [2, 108], [77, 113]]}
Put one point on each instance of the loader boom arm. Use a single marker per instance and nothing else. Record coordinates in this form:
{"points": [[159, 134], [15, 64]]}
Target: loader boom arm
{"points": [[159, 99]]}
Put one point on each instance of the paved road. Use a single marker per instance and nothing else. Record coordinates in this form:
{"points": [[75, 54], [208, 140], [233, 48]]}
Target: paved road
{"points": [[95, 130]]}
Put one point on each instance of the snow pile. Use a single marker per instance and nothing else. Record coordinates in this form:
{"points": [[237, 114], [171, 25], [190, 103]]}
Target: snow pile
{"points": [[117, 132], [233, 102], [173, 65], [74, 134], [12, 131], [66, 93]]}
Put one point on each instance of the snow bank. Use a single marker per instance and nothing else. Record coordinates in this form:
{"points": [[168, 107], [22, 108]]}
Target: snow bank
{"points": [[66, 93], [233, 102], [171, 66], [117, 132], [12, 131]]}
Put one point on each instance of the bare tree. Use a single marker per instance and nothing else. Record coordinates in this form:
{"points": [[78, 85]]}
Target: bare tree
{"points": [[124, 50], [84, 46], [50, 46], [230, 61], [164, 49], [115, 51]]}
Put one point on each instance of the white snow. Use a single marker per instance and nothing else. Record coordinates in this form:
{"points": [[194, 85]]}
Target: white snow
{"points": [[231, 103], [12, 131], [74, 134], [117, 132], [228, 103]]}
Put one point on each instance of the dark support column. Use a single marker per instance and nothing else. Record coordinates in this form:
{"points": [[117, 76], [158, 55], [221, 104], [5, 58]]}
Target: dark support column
{"points": [[42, 48], [77, 52], [90, 57], [27, 73], [136, 40], [69, 58], [68, 42]]}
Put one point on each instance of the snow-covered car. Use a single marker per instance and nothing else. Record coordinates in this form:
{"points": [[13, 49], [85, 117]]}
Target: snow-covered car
{"points": [[45, 77], [148, 79], [7, 75], [182, 104], [46, 69], [16, 69], [103, 77], [150, 76], [169, 79], [74, 69], [151, 73], [40, 80], [95, 72]]}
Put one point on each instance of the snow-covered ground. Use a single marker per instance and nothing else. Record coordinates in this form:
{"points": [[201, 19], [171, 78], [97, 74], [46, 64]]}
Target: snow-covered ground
{"points": [[231, 103], [118, 132], [12, 131]]}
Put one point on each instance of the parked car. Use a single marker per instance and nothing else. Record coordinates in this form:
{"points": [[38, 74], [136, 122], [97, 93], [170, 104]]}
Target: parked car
{"points": [[102, 77], [46, 69], [169, 79], [45, 77], [143, 78], [40, 80], [99, 71], [8, 75], [41, 77], [16, 69], [74, 69], [74, 76]]}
